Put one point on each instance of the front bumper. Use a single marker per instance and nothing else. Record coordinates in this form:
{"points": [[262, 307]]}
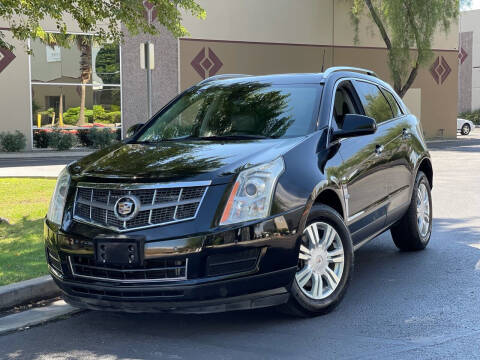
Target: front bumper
{"points": [[231, 281], [216, 294]]}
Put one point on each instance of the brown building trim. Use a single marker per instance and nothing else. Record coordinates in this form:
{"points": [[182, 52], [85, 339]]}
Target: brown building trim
{"points": [[300, 44], [7, 58]]}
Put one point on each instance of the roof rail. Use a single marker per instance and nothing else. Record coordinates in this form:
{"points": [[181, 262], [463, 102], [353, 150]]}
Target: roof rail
{"points": [[223, 77], [331, 70]]}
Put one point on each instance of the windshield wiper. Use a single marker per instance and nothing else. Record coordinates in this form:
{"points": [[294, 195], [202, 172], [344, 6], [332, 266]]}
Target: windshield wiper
{"points": [[234, 137], [186, 137], [209, 138]]}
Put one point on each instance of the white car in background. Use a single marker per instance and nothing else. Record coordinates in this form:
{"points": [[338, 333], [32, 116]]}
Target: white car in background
{"points": [[465, 126]]}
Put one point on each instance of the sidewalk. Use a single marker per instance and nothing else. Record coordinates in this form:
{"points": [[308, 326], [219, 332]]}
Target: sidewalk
{"points": [[44, 164], [48, 172]]}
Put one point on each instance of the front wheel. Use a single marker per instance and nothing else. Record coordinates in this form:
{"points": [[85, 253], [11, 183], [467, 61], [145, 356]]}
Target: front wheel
{"points": [[466, 129], [413, 231], [325, 264]]}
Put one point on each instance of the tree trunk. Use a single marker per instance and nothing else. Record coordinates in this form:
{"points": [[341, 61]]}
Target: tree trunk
{"points": [[81, 115], [60, 109], [411, 78], [84, 45]]}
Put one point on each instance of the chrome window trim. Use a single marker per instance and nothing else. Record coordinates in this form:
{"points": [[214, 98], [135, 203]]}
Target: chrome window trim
{"points": [[138, 281], [117, 186]]}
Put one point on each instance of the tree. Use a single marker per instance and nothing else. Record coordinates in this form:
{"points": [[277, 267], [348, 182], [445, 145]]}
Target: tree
{"points": [[405, 25], [107, 66], [103, 18], [85, 46]]}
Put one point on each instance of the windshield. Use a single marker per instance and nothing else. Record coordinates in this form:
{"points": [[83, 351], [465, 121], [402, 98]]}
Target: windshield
{"points": [[237, 110]]}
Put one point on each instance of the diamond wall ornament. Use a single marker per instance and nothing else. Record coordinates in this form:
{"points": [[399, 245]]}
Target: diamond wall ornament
{"points": [[440, 70], [462, 55], [206, 63], [6, 57]]}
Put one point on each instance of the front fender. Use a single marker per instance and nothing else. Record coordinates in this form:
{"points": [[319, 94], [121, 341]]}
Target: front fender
{"points": [[310, 169]]}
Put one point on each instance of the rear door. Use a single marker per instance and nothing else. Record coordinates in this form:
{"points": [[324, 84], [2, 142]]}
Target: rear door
{"points": [[362, 171], [400, 148], [393, 133]]}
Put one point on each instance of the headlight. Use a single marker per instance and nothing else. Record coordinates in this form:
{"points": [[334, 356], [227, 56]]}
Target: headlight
{"points": [[252, 193], [57, 203]]}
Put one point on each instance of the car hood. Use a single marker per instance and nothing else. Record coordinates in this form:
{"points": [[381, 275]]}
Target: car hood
{"points": [[179, 160]]}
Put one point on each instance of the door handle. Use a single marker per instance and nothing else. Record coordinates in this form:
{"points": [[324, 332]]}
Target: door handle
{"points": [[379, 149], [406, 134]]}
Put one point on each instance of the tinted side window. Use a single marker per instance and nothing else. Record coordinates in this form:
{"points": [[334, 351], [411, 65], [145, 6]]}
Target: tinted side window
{"points": [[373, 101], [393, 103], [344, 104]]}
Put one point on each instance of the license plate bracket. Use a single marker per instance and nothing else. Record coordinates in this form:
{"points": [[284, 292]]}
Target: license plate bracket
{"points": [[115, 251]]}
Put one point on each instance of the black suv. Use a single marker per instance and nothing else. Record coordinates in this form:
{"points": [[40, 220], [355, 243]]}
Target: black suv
{"points": [[243, 192]]}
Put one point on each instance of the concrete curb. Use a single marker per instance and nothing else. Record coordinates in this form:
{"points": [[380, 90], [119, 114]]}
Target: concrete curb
{"points": [[27, 177], [35, 316], [46, 154], [442, 140], [26, 291]]}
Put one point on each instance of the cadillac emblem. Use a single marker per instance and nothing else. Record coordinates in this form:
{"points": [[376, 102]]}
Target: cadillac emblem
{"points": [[126, 207]]}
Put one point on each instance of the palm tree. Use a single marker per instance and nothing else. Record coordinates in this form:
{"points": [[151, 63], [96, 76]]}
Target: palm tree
{"points": [[84, 44]]}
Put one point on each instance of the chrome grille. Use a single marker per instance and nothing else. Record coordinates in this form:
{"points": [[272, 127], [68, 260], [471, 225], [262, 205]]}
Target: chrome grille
{"points": [[160, 204], [153, 270], [54, 261]]}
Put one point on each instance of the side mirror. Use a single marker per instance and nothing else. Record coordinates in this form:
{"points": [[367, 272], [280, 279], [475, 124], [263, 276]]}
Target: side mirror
{"points": [[132, 130], [355, 125]]}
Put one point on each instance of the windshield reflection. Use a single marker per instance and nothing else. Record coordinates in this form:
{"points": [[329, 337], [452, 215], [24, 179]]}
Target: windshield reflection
{"points": [[235, 110]]}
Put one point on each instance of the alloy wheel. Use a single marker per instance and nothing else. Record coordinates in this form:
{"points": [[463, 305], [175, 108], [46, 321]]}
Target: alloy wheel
{"points": [[321, 261], [423, 210]]}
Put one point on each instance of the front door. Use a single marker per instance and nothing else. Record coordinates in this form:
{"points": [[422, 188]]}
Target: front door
{"points": [[363, 169]]}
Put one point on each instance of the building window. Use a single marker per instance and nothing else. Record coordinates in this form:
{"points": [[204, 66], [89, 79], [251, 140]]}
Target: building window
{"points": [[76, 87]]}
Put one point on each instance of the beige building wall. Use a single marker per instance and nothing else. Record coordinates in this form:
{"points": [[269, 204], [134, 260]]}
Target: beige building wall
{"points": [[15, 94], [272, 21], [281, 36]]}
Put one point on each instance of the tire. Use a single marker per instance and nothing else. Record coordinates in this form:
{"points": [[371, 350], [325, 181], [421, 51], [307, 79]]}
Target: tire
{"points": [[408, 234], [328, 297], [466, 129]]}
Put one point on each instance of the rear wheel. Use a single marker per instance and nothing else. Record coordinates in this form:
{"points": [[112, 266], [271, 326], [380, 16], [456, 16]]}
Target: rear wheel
{"points": [[413, 231], [466, 129], [325, 264]]}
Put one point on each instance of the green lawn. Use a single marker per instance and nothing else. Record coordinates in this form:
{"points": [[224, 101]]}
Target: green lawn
{"points": [[24, 203]]}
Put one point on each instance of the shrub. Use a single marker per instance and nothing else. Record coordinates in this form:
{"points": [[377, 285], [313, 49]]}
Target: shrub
{"points": [[106, 117], [70, 117], [83, 138], [101, 138], [99, 113], [61, 140], [12, 142], [115, 117], [472, 116], [40, 139]]}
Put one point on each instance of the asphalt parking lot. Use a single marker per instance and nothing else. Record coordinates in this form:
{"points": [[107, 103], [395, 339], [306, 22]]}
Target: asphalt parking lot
{"points": [[422, 305]]}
